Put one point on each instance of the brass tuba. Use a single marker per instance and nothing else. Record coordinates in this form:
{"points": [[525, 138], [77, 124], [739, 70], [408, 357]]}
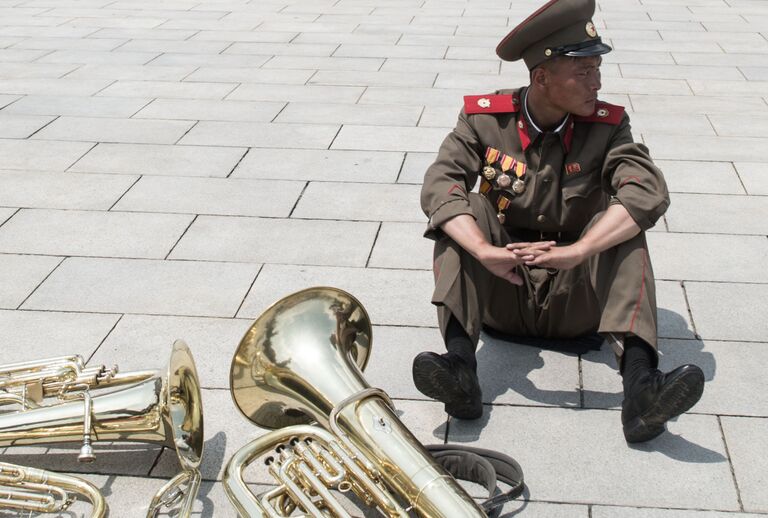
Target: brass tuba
{"points": [[156, 407], [301, 361], [40, 491]]}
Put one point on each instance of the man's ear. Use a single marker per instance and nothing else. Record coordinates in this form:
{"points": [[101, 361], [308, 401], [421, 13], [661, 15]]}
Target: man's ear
{"points": [[540, 77]]}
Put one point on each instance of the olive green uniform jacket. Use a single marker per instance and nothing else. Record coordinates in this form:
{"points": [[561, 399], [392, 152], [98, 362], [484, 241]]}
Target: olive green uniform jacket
{"points": [[570, 177]]}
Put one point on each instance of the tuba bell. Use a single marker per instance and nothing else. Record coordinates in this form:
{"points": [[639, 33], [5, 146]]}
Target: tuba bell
{"points": [[157, 407], [300, 362]]}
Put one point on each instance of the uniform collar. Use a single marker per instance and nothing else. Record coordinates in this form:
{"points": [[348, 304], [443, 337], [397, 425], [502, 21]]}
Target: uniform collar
{"points": [[529, 131]]}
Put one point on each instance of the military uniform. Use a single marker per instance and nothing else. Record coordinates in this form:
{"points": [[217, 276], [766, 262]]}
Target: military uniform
{"points": [[543, 186]]}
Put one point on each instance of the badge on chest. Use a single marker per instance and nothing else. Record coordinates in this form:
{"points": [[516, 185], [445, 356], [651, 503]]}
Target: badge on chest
{"points": [[502, 173]]}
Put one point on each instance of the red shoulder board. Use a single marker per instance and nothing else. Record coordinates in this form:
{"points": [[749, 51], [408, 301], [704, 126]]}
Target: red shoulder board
{"points": [[605, 113], [491, 103]]}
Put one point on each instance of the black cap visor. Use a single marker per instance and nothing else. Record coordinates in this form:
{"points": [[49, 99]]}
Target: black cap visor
{"points": [[594, 47]]}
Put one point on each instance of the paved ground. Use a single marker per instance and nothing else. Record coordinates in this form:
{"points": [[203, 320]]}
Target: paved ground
{"points": [[169, 168]]}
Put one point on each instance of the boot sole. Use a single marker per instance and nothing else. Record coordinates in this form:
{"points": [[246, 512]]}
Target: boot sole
{"points": [[677, 397], [434, 380]]}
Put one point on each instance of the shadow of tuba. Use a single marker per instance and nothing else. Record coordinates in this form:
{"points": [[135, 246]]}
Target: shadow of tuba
{"points": [[300, 362], [163, 408]]}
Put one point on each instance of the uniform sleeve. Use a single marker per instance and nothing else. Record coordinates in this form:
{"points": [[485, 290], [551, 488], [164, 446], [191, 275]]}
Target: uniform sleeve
{"points": [[631, 177], [451, 176]]}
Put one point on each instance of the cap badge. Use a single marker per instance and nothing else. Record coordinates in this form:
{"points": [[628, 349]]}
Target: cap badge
{"points": [[484, 102], [602, 113], [548, 52], [591, 31]]}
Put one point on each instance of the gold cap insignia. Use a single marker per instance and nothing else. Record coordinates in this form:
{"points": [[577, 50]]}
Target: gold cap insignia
{"points": [[484, 102], [548, 52], [591, 31], [602, 112]]}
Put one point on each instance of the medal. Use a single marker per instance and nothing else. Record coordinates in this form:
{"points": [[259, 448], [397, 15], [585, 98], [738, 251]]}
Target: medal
{"points": [[518, 186], [502, 218], [489, 173], [502, 205], [504, 181]]}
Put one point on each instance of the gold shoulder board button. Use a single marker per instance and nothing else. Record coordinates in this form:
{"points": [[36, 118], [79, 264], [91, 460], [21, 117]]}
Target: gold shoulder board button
{"points": [[602, 112], [484, 102]]}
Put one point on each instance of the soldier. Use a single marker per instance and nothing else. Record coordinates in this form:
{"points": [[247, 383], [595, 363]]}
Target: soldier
{"points": [[553, 245]]}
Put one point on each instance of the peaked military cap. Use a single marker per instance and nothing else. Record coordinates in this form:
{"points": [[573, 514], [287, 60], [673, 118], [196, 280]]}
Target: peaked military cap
{"points": [[558, 28]]}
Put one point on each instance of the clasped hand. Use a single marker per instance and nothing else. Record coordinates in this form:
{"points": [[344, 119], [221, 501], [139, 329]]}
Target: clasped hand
{"points": [[502, 261]]}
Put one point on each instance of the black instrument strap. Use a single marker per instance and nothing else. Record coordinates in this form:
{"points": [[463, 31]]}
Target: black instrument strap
{"points": [[485, 467]]}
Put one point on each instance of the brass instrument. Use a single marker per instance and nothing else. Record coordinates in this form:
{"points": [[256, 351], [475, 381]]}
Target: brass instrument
{"points": [[156, 407], [302, 361], [37, 490]]}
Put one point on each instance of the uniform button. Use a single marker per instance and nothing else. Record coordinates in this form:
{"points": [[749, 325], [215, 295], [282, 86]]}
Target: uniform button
{"points": [[547, 180], [541, 218]]}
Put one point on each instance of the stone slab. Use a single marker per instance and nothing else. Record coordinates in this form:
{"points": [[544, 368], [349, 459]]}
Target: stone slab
{"points": [[696, 104], [746, 125], [48, 86], [61, 191], [293, 93], [747, 442], [402, 246], [184, 109], [140, 342], [255, 134], [209, 60], [680, 71], [580, 456], [701, 177], [734, 320], [645, 512], [256, 240], [384, 293], [415, 166], [91, 233], [325, 63], [20, 275], [681, 257], [337, 113], [132, 72], [167, 89], [176, 160], [21, 126], [111, 458], [385, 202], [212, 196], [717, 214], [76, 106], [414, 96], [130, 131], [98, 57], [34, 335], [249, 75], [320, 165], [41, 155], [145, 286], [754, 177], [389, 138], [361, 78], [6, 213]]}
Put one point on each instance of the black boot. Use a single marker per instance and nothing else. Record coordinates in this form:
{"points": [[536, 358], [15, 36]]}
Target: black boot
{"points": [[451, 380], [654, 398]]}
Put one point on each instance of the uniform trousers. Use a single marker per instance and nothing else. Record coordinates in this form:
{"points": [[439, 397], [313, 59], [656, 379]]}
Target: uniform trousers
{"points": [[611, 293]]}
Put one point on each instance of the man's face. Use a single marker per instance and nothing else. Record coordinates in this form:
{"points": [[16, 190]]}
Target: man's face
{"points": [[573, 84]]}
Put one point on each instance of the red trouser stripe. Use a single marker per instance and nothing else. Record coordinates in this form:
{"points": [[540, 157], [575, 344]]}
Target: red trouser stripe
{"points": [[639, 297]]}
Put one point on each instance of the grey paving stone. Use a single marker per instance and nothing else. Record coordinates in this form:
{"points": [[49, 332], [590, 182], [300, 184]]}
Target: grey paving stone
{"points": [[712, 213], [91, 233], [320, 165], [257, 240], [114, 130], [721, 59], [415, 166], [93, 57], [402, 245], [243, 111], [20, 275], [383, 292], [219, 196], [674, 124], [344, 37], [61, 191], [209, 60], [746, 440], [681, 257], [673, 318], [337, 113], [677, 147], [50, 86], [70, 44], [36, 335], [129, 34], [247, 75], [21, 126], [414, 96], [325, 63], [164, 45], [391, 51], [383, 202], [544, 510], [645, 512], [33, 70], [736, 319], [478, 82], [747, 125], [441, 65], [243, 36], [76, 106], [696, 104], [135, 72], [20, 55], [291, 93], [755, 73], [160, 160], [145, 286], [587, 449], [168, 89], [389, 138], [140, 342], [753, 175], [5, 100], [701, 177], [255, 134], [5, 213], [281, 49]]}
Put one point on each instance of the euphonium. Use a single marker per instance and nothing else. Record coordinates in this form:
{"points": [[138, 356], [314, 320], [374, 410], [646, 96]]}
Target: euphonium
{"points": [[163, 408], [302, 361], [40, 491]]}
